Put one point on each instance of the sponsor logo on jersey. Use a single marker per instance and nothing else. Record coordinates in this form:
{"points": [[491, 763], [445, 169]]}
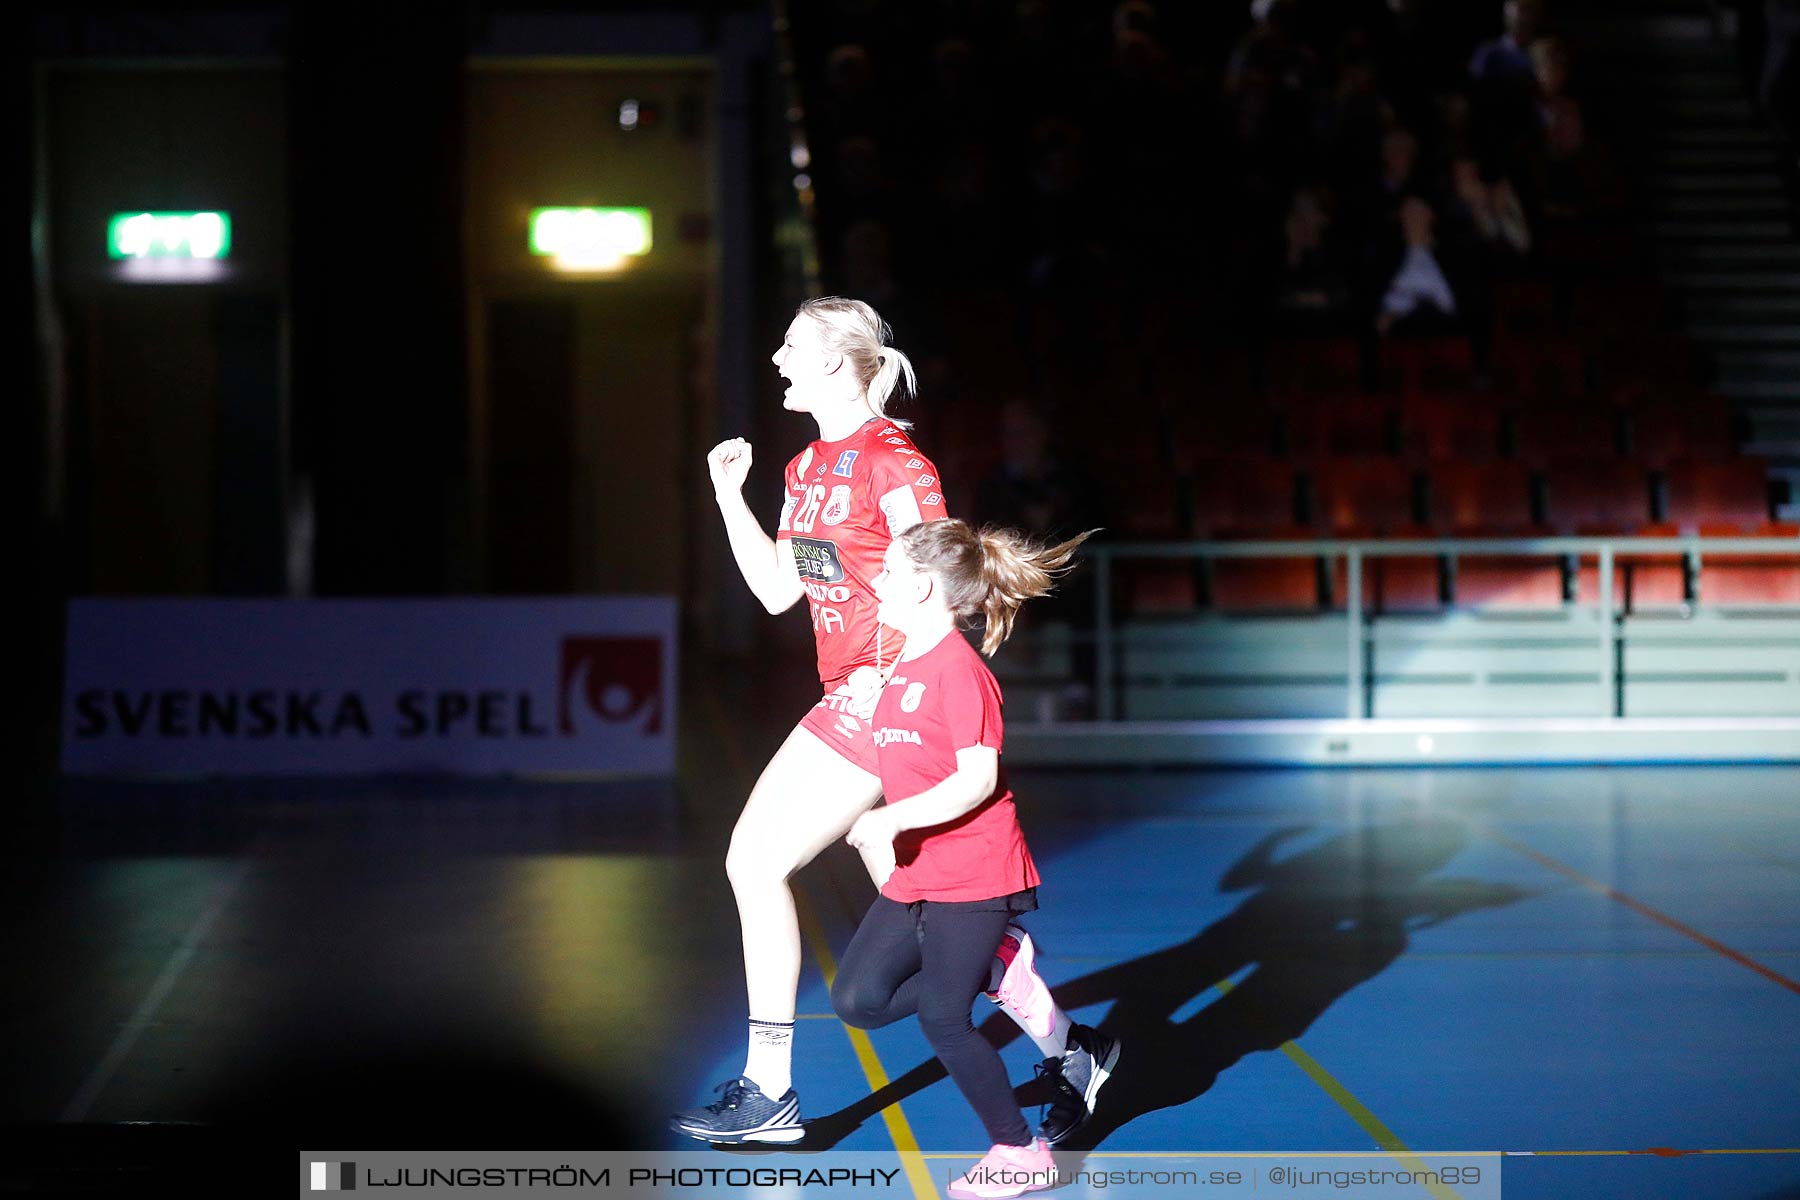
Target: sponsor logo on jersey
{"points": [[896, 441], [887, 737], [909, 702], [844, 463], [927, 480], [848, 726], [913, 464], [901, 508], [817, 560], [934, 498], [838, 507]]}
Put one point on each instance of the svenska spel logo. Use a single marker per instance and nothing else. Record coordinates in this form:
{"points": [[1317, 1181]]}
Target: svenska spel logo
{"points": [[618, 679], [333, 1177]]}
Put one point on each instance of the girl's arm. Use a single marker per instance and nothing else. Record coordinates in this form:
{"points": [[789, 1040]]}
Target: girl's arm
{"points": [[977, 770]]}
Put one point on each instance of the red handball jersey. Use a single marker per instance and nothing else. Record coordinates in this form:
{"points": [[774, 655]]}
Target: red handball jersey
{"points": [[846, 500], [941, 702]]}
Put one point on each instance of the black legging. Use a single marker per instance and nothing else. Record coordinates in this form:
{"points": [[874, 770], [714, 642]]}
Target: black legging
{"points": [[933, 959]]}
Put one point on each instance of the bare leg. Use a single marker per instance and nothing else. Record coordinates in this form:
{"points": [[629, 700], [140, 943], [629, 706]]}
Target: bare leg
{"points": [[807, 797]]}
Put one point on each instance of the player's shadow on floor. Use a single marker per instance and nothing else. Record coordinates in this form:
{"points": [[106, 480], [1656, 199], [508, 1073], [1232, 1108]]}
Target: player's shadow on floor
{"points": [[1320, 922]]}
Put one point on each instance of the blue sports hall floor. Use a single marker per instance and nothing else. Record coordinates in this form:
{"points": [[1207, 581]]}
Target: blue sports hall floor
{"points": [[1595, 971]]}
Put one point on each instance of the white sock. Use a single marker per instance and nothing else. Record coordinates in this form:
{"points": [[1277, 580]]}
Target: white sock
{"points": [[769, 1065], [1056, 1043]]}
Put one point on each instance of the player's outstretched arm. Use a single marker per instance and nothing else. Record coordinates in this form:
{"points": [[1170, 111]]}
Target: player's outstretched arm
{"points": [[766, 566]]}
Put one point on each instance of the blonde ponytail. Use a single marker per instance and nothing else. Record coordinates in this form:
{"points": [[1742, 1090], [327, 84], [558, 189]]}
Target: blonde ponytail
{"points": [[856, 331], [891, 367], [992, 572]]}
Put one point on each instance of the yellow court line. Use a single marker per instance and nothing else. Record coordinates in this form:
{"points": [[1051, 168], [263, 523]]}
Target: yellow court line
{"points": [[917, 1174], [1359, 1112]]}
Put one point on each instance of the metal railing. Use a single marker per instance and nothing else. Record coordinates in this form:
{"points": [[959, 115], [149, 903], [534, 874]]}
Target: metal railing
{"points": [[1605, 550]]}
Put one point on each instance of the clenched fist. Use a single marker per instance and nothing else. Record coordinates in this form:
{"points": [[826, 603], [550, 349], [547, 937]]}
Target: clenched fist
{"points": [[729, 465]]}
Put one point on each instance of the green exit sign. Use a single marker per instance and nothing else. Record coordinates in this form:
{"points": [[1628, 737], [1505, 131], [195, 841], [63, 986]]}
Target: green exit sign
{"points": [[202, 235], [590, 237]]}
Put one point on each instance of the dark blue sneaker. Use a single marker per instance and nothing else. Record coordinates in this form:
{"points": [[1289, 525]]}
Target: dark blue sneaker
{"points": [[1077, 1077], [743, 1114]]}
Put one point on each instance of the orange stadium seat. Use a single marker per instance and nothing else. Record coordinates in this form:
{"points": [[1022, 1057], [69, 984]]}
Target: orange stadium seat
{"points": [[1507, 581], [1158, 587], [1461, 427], [1664, 428], [1218, 430], [1267, 585], [1339, 424], [1587, 496], [1418, 366], [1524, 308], [1540, 368], [1734, 492], [1310, 366], [1372, 494], [1641, 579], [1465, 497], [1391, 583], [1149, 506], [1636, 360], [1243, 495], [1618, 308], [1751, 579], [1577, 430]]}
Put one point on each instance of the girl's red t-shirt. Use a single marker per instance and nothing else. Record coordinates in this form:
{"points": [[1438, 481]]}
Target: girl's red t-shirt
{"points": [[934, 705]]}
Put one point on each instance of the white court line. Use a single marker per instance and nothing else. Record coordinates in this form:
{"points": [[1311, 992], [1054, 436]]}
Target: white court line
{"points": [[97, 1079]]}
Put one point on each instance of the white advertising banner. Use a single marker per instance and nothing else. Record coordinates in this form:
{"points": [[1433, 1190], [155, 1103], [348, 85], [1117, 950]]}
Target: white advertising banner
{"points": [[474, 686]]}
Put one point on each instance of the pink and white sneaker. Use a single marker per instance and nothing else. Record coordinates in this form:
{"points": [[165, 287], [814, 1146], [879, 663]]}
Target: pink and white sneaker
{"points": [[1008, 1171], [1022, 989]]}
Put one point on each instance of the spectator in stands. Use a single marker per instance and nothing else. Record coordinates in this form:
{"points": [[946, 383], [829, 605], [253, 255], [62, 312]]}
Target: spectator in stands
{"points": [[866, 268], [953, 107], [1562, 155], [1309, 287], [851, 103], [1356, 116], [1419, 298], [1271, 86], [1504, 80], [861, 177], [1034, 484], [1374, 219], [1419, 45], [1141, 107], [1398, 173], [1507, 59], [1489, 209]]}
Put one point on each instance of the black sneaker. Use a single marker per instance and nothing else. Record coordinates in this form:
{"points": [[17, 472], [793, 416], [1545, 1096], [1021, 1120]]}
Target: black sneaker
{"points": [[1077, 1077], [743, 1114]]}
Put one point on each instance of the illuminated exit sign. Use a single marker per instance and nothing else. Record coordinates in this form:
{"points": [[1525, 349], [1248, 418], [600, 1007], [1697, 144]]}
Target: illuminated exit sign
{"points": [[590, 237], [201, 235]]}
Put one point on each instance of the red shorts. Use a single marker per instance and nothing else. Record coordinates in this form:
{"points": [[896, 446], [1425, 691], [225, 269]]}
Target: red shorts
{"points": [[830, 720]]}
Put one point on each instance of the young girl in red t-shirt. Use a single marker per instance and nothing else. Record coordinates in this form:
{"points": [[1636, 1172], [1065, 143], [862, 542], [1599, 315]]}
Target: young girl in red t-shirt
{"points": [[961, 868]]}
